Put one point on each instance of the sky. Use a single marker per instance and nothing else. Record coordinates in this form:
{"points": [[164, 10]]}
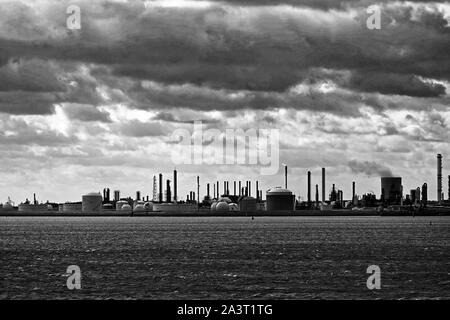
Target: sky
{"points": [[96, 107]]}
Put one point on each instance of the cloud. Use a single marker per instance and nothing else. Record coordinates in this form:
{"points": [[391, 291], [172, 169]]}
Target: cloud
{"points": [[85, 113], [369, 168], [140, 129]]}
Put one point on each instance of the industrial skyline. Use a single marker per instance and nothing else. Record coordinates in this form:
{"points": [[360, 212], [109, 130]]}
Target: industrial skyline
{"points": [[166, 189], [85, 108]]}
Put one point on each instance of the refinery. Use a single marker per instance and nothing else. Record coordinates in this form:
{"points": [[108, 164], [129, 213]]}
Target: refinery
{"points": [[242, 199]]}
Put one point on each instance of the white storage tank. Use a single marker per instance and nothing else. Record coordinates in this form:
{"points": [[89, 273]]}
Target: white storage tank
{"points": [[222, 206], [91, 202], [119, 204]]}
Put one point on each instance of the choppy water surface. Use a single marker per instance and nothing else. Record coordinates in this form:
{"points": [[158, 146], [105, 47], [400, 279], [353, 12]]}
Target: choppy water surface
{"points": [[178, 258]]}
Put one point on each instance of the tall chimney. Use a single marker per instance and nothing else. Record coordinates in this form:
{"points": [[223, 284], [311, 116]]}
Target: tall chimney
{"points": [[224, 187], [285, 176], [218, 192], [168, 193], [207, 190], [249, 188], [353, 192], [257, 190], [160, 188], [309, 188], [198, 189], [214, 187], [175, 186], [439, 178], [317, 194], [240, 189], [323, 185], [234, 193]]}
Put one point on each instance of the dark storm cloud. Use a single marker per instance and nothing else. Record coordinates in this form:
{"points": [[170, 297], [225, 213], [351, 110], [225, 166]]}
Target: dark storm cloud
{"points": [[369, 168], [266, 51], [390, 83]]}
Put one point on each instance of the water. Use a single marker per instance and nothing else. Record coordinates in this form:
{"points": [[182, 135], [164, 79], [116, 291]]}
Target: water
{"points": [[227, 258]]}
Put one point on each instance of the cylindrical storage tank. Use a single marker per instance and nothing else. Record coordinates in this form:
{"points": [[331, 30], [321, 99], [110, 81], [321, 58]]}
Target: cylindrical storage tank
{"points": [[222, 206], [120, 203], [247, 204], [213, 206], [391, 189], [280, 199], [108, 206], [91, 202], [71, 207], [139, 207], [233, 207]]}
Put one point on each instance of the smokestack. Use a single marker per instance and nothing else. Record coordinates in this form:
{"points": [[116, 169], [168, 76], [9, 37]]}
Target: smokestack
{"points": [[225, 187], [218, 192], [198, 189], [175, 186], [249, 188], [439, 178], [309, 188], [193, 195], [234, 193], [207, 190], [353, 191], [285, 176], [160, 188], [257, 190], [138, 195], [323, 185], [34, 198], [168, 193], [317, 194], [240, 189], [214, 187]]}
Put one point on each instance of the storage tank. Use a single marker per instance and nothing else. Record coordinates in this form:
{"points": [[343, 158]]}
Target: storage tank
{"points": [[213, 206], [120, 203], [125, 207], [222, 206], [391, 189], [71, 207], [280, 199], [247, 204], [148, 206], [233, 207], [91, 202]]}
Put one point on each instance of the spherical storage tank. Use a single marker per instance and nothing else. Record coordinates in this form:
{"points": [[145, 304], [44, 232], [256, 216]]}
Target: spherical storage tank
{"points": [[213, 206], [233, 207], [91, 202], [120, 203], [280, 199], [222, 206], [125, 207]]}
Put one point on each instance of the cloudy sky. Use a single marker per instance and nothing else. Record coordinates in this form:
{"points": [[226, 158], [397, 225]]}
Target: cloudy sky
{"points": [[91, 108]]}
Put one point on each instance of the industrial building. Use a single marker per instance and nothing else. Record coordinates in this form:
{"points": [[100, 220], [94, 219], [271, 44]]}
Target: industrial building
{"points": [[391, 190], [279, 199]]}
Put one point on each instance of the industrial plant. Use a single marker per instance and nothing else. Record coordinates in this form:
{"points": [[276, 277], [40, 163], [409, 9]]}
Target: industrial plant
{"points": [[242, 199]]}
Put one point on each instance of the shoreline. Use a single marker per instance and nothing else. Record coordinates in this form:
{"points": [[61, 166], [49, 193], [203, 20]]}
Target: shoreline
{"points": [[204, 213]]}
